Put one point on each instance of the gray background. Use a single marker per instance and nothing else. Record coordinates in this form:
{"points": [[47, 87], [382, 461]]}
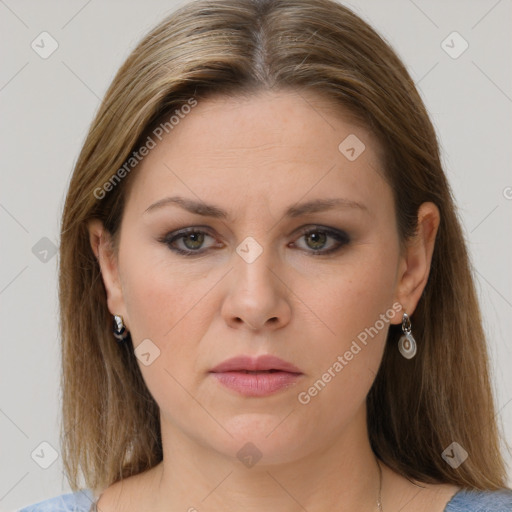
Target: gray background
{"points": [[46, 108]]}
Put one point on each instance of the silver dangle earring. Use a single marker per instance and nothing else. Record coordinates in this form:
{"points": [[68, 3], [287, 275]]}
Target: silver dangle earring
{"points": [[119, 329], [407, 343]]}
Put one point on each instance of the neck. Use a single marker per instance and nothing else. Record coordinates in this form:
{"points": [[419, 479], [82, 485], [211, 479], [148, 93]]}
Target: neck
{"points": [[340, 473]]}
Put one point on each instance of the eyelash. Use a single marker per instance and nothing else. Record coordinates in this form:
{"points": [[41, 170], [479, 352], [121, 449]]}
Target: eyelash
{"points": [[340, 236]]}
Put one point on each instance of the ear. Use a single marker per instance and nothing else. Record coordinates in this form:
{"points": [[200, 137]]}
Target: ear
{"points": [[102, 246], [414, 266]]}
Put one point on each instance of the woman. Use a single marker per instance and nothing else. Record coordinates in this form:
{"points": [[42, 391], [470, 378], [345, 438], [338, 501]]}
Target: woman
{"points": [[266, 298]]}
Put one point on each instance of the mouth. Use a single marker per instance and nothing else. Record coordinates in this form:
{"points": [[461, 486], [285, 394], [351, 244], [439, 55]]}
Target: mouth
{"points": [[257, 384], [264, 363], [254, 372], [256, 377]]}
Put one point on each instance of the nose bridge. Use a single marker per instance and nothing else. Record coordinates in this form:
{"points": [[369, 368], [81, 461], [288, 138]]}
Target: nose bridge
{"points": [[254, 262], [257, 296]]}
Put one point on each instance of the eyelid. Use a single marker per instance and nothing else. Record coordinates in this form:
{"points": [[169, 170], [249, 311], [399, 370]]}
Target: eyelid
{"points": [[318, 227]]}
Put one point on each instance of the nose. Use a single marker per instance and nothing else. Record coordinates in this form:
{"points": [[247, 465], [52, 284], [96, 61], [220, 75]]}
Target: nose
{"points": [[257, 297]]}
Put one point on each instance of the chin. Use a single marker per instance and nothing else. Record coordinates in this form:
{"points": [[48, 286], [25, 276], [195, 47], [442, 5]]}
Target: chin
{"points": [[264, 438]]}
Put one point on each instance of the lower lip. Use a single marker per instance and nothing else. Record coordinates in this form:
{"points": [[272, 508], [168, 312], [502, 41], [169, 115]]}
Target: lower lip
{"points": [[257, 384]]}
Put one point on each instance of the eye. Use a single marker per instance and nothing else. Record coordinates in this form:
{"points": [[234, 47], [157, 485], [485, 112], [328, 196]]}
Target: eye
{"points": [[190, 241], [186, 241], [317, 238]]}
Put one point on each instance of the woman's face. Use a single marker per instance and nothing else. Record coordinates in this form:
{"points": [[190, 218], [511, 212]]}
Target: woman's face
{"points": [[261, 273]]}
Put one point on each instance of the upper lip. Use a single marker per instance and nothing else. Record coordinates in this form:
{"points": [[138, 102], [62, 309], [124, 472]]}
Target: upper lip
{"points": [[261, 363]]}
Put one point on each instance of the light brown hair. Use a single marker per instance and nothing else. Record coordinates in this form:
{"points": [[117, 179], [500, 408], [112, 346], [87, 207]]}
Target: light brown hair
{"points": [[416, 408]]}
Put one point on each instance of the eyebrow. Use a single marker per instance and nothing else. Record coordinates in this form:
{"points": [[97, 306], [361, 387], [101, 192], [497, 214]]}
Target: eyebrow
{"points": [[209, 210]]}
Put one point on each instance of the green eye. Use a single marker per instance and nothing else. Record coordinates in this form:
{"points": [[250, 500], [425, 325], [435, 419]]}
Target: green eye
{"points": [[193, 240], [317, 238], [190, 241]]}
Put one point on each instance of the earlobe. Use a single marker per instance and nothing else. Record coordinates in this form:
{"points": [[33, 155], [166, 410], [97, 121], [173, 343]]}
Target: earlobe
{"points": [[101, 244], [417, 258]]}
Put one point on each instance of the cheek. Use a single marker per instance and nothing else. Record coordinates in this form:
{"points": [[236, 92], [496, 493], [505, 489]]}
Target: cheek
{"points": [[166, 305], [356, 292], [357, 309], [160, 292]]}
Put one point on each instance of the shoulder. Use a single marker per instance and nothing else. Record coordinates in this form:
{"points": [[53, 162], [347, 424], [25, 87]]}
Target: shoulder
{"points": [[480, 501], [79, 501]]}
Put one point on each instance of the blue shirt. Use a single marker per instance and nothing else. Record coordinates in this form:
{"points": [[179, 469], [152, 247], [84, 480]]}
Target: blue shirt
{"points": [[462, 501], [80, 501]]}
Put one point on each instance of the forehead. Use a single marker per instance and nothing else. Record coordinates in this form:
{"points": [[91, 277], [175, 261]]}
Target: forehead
{"points": [[268, 146]]}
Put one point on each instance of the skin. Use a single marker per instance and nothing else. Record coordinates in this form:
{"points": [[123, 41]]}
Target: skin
{"points": [[254, 158]]}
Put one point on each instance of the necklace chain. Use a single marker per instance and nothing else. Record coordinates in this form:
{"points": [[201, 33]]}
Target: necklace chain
{"points": [[94, 507], [379, 499]]}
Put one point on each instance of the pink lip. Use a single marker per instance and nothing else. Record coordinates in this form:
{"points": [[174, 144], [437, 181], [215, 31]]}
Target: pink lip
{"points": [[273, 374]]}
